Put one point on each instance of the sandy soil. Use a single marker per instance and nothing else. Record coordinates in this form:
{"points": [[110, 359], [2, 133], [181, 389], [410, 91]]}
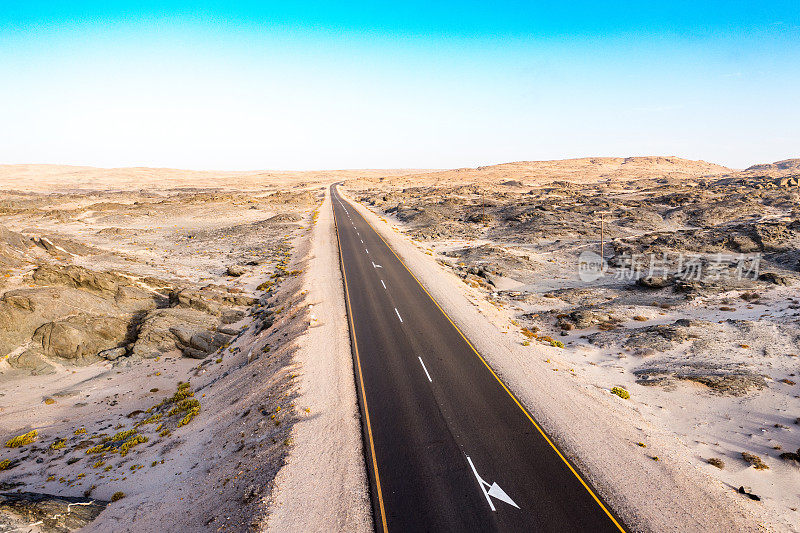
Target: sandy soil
{"points": [[149, 336], [323, 486]]}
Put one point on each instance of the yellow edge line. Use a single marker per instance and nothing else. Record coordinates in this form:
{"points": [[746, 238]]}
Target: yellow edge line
{"points": [[527, 414], [360, 375]]}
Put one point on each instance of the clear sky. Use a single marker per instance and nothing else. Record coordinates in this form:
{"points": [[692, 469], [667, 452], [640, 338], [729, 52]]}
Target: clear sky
{"points": [[310, 85]]}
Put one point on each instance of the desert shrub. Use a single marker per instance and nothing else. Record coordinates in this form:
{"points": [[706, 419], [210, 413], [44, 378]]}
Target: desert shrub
{"points": [[100, 448], [622, 393], [128, 444], [640, 318], [155, 418], [58, 444], [22, 440], [117, 496], [755, 461], [122, 435], [556, 344], [80, 431], [5, 464], [714, 461], [49, 401]]}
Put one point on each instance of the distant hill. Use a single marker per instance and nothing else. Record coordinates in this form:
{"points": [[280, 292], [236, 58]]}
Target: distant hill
{"points": [[583, 170], [775, 170]]}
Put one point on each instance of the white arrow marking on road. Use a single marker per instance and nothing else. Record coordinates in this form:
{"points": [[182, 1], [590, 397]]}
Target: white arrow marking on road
{"points": [[375, 266], [491, 491]]}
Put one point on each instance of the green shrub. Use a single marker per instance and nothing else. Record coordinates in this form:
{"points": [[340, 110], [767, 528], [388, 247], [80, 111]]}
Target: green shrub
{"points": [[622, 393], [127, 445], [117, 496], [22, 440]]}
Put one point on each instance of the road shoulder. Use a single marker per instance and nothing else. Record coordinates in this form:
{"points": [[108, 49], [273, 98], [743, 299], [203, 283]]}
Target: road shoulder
{"points": [[323, 486]]}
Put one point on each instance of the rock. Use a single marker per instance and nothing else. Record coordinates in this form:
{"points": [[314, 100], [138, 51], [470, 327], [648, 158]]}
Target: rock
{"points": [[654, 282], [165, 330], [33, 511], [231, 316], [775, 278], [480, 218], [235, 270], [32, 361], [22, 311], [113, 353], [202, 341], [78, 277], [208, 300], [586, 318], [138, 299], [183, 334], [81, 337]]}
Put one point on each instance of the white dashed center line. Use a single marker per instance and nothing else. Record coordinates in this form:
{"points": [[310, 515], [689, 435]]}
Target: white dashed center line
{"points": [[425, 369], [382, 283], [398, 314]]}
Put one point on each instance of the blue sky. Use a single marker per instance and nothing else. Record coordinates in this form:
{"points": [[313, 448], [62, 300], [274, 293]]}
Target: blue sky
{"points": [[309, 85]]}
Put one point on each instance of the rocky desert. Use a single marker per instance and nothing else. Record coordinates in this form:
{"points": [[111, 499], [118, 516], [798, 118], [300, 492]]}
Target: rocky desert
{"points": [[174, 346]]}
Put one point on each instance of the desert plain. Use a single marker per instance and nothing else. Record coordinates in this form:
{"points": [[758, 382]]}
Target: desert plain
{"points": [[174, 348]]}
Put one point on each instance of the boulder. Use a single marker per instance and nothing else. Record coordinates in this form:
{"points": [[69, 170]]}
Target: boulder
{"points": [[208, 300], [165, 330], [137, 299], [78, 277], [775, 278], [113, 353], [654, 282], [80, 337], [235, 270]]}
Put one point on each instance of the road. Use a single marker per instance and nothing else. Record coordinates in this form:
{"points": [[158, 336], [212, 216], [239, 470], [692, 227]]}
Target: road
{"points": [[448, 447]]}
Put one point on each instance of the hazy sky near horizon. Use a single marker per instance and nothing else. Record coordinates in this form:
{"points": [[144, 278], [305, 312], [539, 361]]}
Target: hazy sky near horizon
{"points": [[313, 85]]}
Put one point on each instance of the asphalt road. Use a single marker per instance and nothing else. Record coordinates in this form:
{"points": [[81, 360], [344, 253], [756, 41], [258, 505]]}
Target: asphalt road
{"points": [[448, 448]]}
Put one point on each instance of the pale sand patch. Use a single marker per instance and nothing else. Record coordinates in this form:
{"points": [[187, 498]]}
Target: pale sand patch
{"points": [[323, 486], [596, 430]]}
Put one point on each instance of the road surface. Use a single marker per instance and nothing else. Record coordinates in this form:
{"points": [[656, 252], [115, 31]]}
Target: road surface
{"points": [[448, 447]]}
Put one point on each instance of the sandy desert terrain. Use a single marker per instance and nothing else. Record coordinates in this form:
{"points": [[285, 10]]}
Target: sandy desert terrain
{"points": [[173, 346], [148, 330]]}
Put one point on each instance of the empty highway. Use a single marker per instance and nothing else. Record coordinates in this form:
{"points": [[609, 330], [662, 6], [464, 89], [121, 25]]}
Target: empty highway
{"points": [[448, 447]]}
